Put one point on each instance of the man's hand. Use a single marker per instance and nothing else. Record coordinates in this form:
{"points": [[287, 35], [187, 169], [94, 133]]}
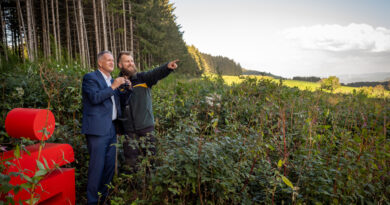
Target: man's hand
{"points": [[117, 82], [128, 83], [172, 65]]}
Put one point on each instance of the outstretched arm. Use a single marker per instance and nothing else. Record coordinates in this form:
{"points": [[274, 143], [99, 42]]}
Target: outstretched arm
{"points": [[151, 77]]}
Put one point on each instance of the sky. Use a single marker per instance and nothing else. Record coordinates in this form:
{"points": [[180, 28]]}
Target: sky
{"points": [[291, 37]]}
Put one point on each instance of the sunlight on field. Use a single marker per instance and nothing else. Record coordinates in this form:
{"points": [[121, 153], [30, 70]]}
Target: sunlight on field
{"points": [[302, 85], [229, 79]]}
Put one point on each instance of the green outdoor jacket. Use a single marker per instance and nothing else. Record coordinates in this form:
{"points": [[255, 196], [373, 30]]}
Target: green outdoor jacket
{"points": [[136, 103]]}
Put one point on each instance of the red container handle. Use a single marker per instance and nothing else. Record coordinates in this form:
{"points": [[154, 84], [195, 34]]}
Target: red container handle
{"points": [[30, 123]]}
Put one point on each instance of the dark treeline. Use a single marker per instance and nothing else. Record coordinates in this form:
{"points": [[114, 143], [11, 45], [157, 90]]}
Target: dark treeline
{"points": [[223, 65], [386, 85], [308, 79], [215, 64], [68, 30], [255, 72]]}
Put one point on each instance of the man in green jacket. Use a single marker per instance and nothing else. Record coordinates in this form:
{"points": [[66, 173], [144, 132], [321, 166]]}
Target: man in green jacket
{"points": [[137, 111]]}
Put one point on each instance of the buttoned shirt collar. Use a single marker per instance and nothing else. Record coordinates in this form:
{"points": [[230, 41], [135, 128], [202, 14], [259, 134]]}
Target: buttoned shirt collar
{"points": [[105, 77]]}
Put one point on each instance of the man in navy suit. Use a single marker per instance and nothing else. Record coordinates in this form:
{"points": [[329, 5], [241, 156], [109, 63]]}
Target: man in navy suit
{"points": [[101, 108]]}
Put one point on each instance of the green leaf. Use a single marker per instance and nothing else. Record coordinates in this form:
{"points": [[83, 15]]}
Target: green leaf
{"points": [[26, 150], [44, 160], [5, 188], [17, 152], [40, 165], [173, 190], [40, 173], [4, 178], [280, 163], [215, 122], [27, 178], [35, 200], [287, 182], [26, 185], [270, 146]]}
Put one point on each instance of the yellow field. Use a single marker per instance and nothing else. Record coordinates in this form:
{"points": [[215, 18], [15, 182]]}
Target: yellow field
{"points": [[302, 85]]}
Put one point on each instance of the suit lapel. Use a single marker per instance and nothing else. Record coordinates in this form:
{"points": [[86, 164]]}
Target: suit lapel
{"points": [[104, 84], [100, 77]]}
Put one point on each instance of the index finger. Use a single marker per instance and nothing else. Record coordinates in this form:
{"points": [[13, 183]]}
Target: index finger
{"points": [[175, 61]]}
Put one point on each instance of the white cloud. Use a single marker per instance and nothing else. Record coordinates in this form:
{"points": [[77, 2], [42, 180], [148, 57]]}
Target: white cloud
{"points": [[337, 38]]}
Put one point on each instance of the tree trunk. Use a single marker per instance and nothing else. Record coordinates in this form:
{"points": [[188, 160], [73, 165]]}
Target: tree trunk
{"points": [[124, 26], [131, 32], [54, 29], [110, 31], [86, 46], [77, 28], [102, 4], [1, 24], [30, 31], [47, 29], [14, 40], [44, 34], [95, 21], [21, 22], [59, 31], [2, 34], [113, 33], [81, 29], [68, 39], [34, 31], [3, 42], [139, 57]]}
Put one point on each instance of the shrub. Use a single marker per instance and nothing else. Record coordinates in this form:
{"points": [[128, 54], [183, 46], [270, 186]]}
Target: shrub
{"points": [[257, 142], [331, 83]]}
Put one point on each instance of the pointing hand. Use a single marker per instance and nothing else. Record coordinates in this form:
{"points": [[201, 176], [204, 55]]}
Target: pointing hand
{"points": [[172, 65]]}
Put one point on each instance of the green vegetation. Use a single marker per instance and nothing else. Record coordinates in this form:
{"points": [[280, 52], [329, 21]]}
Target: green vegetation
{"points": [[377, 91], [221, 140], [254, 142], [331, 83]]}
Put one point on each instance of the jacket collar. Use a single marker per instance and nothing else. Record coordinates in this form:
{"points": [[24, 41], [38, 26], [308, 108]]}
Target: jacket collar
{"points": [[100, 78]]}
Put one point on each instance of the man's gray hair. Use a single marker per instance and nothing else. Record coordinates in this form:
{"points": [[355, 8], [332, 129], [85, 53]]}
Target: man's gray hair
{"points": [[101, 53]]}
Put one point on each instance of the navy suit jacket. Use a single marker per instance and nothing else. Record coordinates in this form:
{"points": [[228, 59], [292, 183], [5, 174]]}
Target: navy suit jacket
{"points": [[97, 104]]}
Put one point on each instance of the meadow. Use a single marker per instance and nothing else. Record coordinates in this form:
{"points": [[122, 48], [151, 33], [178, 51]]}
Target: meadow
{"points": [[254, 141], [311, 86]]}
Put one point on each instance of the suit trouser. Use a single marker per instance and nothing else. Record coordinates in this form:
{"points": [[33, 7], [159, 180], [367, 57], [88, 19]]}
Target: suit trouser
{"points": [[101, 168]]}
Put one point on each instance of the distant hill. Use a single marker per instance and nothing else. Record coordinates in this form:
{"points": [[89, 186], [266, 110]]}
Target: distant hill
{"points": [[366, 77], [255, 72], [214, 64]]}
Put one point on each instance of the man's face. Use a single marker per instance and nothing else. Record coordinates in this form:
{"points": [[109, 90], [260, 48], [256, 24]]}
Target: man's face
{"points": [[106, 63], [127, 62]]}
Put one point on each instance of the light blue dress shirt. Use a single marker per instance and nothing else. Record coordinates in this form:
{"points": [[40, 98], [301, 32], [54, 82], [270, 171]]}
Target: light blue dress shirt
{"points": [[108, 81]]}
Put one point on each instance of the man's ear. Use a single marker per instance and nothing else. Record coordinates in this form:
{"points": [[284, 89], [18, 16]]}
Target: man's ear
{"points": [[99, 64], [120, 65]]}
